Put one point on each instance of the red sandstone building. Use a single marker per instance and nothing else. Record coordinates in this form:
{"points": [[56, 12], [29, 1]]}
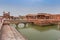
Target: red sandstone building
{"points": [[43, 18], [40, 18]]}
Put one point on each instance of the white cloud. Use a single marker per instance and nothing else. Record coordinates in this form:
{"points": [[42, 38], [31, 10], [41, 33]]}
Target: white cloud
{"points": [[15, 11]]}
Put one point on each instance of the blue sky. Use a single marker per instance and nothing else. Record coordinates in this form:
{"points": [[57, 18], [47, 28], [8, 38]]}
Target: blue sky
{"points": [[23, 7]]}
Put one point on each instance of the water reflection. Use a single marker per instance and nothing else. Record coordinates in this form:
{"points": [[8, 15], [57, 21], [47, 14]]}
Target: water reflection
{"points": [[34, 32], [21, 25]]}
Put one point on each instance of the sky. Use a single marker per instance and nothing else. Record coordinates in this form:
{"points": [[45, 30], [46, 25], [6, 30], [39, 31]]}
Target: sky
{"points": [[23, 7]]}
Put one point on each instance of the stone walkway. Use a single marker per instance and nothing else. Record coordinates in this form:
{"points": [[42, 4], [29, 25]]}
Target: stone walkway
{"points": [[9, 33]]}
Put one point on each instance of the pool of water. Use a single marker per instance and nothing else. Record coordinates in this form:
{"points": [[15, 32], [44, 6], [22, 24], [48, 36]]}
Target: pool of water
{"points": [[34, 32]]}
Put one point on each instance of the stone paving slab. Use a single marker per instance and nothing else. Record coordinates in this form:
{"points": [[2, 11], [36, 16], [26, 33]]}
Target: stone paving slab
{"points": [[10, 33], [17, 34]]}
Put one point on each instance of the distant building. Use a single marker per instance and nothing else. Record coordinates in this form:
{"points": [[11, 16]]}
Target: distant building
{"points": [[43, 18], [22, 17], [6, 15], [38, 16], [31, 16]]}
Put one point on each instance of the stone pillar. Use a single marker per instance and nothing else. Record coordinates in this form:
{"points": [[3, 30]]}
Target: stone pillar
{"points": [[16, 25], [58, 25], [25, 25], [35, 17]]}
